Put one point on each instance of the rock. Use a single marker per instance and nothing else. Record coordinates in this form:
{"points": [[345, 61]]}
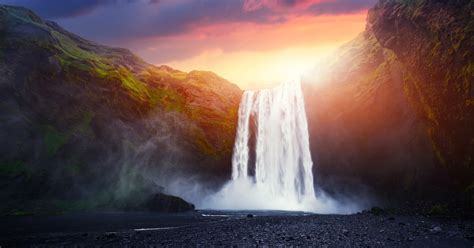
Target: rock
{"points": [[436, 229], [95, 105], [167, 203], [431, 43], [470, 236], [111, 235], [250, 215]]}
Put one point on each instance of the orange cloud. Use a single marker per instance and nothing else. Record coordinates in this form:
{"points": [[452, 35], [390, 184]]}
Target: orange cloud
{"points": [[257, 55]]}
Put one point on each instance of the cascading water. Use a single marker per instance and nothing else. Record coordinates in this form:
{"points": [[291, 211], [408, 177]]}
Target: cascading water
{"points": [[283, 166], [279, 177]]}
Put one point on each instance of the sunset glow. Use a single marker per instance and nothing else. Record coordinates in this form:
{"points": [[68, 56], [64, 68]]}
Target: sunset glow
{"points": [[255, 56], [252, 43]]}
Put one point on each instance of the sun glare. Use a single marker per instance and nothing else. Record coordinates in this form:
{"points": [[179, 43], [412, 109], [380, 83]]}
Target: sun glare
{"points": [[257, 70], [260, 56]]}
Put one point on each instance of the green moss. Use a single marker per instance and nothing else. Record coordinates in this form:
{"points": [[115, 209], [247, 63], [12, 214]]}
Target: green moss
{"points": [[54, 139], [467, 73], [412, 3], [438, 209], [167, 75], [435, 148], [137, 88], [71, 56], [71, 205], [380, 211], [102, 73], [20, 213], [13, 168], [84, 126], [73, 167], [70, 48], [203, 144], [168, 98]]}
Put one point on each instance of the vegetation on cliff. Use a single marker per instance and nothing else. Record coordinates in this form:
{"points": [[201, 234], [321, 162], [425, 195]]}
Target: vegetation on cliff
{"points": [[434, 42], [81, 120], [393, 109]]}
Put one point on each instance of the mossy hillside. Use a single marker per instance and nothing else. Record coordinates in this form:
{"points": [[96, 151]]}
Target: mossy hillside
{"points": [[149, 88], [74, 57], [80, 63], [81, 102], [143, 87], [361, 125], [14, 168]]}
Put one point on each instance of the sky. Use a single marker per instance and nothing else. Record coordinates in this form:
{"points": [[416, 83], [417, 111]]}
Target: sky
{"points": [[252, 43]]}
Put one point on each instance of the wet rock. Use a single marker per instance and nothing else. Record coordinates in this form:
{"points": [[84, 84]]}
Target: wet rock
{"points": [[471, 237], [110, 235], [435, 229], [167, 203]]}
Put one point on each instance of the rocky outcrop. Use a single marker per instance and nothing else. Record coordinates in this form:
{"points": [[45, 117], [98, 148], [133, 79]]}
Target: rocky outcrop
{"points": [[434, 41], [166, 203], [364, 135], [393, 109], [85, 124]]}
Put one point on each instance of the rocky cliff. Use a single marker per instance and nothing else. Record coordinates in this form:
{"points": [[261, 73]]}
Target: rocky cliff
{"points": [[393, 109], [84, 125], [434, 40]]}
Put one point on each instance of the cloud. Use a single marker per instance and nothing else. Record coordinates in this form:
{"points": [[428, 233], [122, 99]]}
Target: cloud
{"points": [[52, 9], [173, 30], [278, 5], [117, 20], [340, 7]]}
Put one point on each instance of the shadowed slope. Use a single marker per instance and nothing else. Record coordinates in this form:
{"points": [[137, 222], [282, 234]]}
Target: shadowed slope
{"points": [[85, 121]]}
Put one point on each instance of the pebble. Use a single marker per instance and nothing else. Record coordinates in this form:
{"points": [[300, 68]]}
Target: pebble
{"points": [[436, 229], [361, 230]]}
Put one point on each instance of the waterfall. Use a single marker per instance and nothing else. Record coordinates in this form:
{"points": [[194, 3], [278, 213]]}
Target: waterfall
{"points": [[271, 162], [283, 165]]}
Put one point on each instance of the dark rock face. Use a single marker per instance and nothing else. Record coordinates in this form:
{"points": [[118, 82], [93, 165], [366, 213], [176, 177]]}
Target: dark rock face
{"points": [[167, 203], [394, 111], [84, 125], [434, 42], [364, 135]]}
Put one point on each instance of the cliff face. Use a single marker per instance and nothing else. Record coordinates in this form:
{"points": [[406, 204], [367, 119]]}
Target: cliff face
{"points": [[393, 110], [81, 120], [364, 134], [434, 40]]}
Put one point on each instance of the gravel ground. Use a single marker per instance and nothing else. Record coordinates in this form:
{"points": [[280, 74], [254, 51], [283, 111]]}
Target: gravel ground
{"points": [[236, 228]]}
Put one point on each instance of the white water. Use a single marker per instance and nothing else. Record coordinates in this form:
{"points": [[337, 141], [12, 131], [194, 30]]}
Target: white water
{"points": [[281, 177]]}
